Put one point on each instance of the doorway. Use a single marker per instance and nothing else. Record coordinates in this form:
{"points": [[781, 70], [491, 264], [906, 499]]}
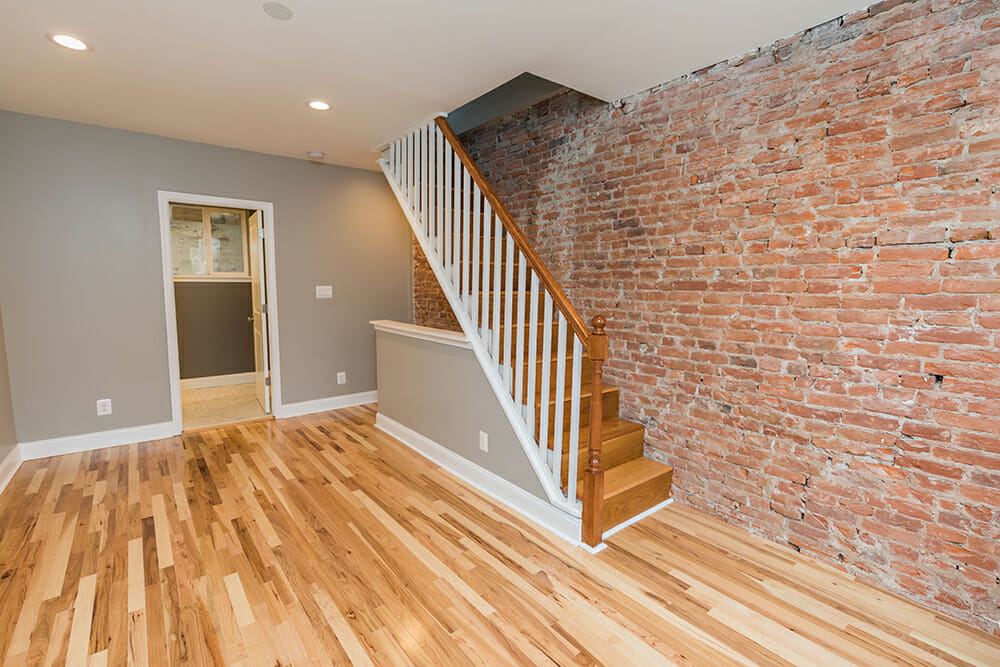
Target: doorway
{"points": [[218, 277]]}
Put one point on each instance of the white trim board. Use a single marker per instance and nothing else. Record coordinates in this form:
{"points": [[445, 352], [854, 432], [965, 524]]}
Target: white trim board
{"points": [[217, 381], [9, 466], [531, 507], [71, 444], [163, 199], [443, 336], [638, 517], [327, 404]]}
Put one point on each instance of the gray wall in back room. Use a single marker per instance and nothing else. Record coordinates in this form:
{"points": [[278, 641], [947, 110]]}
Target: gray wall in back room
{"points": [[81, 278], [214, 335]]}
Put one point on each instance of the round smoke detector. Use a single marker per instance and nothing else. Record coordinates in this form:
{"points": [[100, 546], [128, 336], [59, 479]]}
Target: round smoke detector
{"points": [[277, 11]]}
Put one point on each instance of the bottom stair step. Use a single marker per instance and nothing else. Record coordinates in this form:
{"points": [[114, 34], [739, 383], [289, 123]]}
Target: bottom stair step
{"points": [[632, 488]]}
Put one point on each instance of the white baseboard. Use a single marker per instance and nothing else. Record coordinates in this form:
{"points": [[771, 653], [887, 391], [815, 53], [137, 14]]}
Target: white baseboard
{"points": [[529, 506], [325, 404], [218, 381], [71, 444], [638, 517], [9, 466]]}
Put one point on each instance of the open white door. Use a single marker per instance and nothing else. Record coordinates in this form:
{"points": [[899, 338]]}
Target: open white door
{"points": [[261, 367]]}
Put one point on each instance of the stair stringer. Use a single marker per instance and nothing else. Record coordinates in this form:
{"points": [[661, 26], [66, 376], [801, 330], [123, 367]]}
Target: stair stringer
{"points": [[492, 373]]}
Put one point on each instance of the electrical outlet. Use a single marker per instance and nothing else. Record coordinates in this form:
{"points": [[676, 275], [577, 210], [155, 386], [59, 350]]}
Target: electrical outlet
{"points": [[341, 377], [103, 407], [324, 291], [484, 442]]}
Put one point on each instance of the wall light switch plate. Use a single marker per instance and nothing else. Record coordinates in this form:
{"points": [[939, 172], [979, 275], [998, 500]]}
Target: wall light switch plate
{"points": [[484, 442], [341, 377], [103, 407], [324, 291]]}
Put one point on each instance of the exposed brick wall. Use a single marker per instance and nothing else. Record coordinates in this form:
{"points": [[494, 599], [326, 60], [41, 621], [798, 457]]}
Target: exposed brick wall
{"points": [[799, 254], [430, 305]]}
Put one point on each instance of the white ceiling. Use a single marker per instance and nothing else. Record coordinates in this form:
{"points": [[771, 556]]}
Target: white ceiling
{"points": [[223, 72]]}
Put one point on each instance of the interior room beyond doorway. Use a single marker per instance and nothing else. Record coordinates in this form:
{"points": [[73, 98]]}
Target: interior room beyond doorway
{"points": [[217, 264]]}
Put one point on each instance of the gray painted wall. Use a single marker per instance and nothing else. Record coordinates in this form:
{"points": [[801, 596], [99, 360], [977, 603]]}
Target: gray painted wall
{"points": [[81, 276], [214, 336], [521, 92], [8, 436], [440, 392]]}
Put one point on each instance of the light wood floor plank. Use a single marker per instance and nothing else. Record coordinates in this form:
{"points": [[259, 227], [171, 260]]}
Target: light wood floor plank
{"points": [[319, 540]]}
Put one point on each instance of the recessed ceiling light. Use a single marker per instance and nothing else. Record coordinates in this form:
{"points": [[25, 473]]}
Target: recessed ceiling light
{"points": [[319, 105], [277, 11], [315, 156], [68, 41]]}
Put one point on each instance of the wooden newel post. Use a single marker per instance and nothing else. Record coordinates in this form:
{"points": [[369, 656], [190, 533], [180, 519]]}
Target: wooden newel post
{"points": [[593, 476]]}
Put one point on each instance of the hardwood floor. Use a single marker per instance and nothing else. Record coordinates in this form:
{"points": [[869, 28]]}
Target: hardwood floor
{"points": [[320, 540]]}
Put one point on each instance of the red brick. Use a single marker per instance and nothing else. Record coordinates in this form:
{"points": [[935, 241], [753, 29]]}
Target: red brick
{"points": [[809, 263]]}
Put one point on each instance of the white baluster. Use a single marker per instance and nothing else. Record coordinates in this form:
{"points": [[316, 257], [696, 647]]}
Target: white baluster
{"points": [[425, 156], [532, 353], [543, 415], [476, 239], [497, 267], [457, 168], [508, 317], [574, 421], [466, 223], [484, 315], [432, 194], [522, 296], [392, 161], [557, 431], [448, 259], [440, 191], [409, 172]]}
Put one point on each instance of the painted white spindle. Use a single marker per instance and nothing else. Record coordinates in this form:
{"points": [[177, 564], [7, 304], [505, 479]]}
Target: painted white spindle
{"points": [[439, 191], [422, 193], [409, 171], [484, 315], [543, 415], [557, 431], [432, 189], [497, 268], [574, 421], [449, 199], [456, 228], [508, 317], [475, 239], [532, 351], [466, 223], [522, 294]]}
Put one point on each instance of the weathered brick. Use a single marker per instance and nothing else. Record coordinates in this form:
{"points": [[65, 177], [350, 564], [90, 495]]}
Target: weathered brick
{"points": [[817, 248]]}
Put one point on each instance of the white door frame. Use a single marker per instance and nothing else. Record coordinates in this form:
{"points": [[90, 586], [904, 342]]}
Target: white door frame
{"points": [[163, 199]]}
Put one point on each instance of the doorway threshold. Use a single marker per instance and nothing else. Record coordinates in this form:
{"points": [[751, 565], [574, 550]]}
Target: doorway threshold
{"points": [[242, 422]]}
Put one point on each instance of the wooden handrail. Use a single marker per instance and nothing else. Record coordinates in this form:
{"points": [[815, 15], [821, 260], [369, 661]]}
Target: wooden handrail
{"points": [[593, 476], [520, 240]]}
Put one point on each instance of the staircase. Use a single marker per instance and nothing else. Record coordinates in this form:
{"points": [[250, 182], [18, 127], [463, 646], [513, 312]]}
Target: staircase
{"points": [[544, 364]]}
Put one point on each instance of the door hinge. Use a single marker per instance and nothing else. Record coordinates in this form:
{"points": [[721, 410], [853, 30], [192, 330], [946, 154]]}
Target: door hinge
{"points": [[263, 308], [267, 380], [260, 232]]}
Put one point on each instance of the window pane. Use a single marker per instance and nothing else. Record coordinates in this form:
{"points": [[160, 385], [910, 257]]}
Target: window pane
{"points": [[187, 241], [227, 242]]}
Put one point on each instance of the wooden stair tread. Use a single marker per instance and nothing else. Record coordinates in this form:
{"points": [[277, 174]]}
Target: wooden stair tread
{"points": [[586, 389], [612, 428], [621, 479], [627, 476]]}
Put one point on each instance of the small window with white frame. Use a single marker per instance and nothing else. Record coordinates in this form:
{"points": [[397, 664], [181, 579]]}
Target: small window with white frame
{"points": [[208, 243]]}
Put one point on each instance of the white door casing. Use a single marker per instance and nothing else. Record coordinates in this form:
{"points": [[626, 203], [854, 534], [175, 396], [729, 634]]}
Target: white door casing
{"points": [[259, 314]]}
